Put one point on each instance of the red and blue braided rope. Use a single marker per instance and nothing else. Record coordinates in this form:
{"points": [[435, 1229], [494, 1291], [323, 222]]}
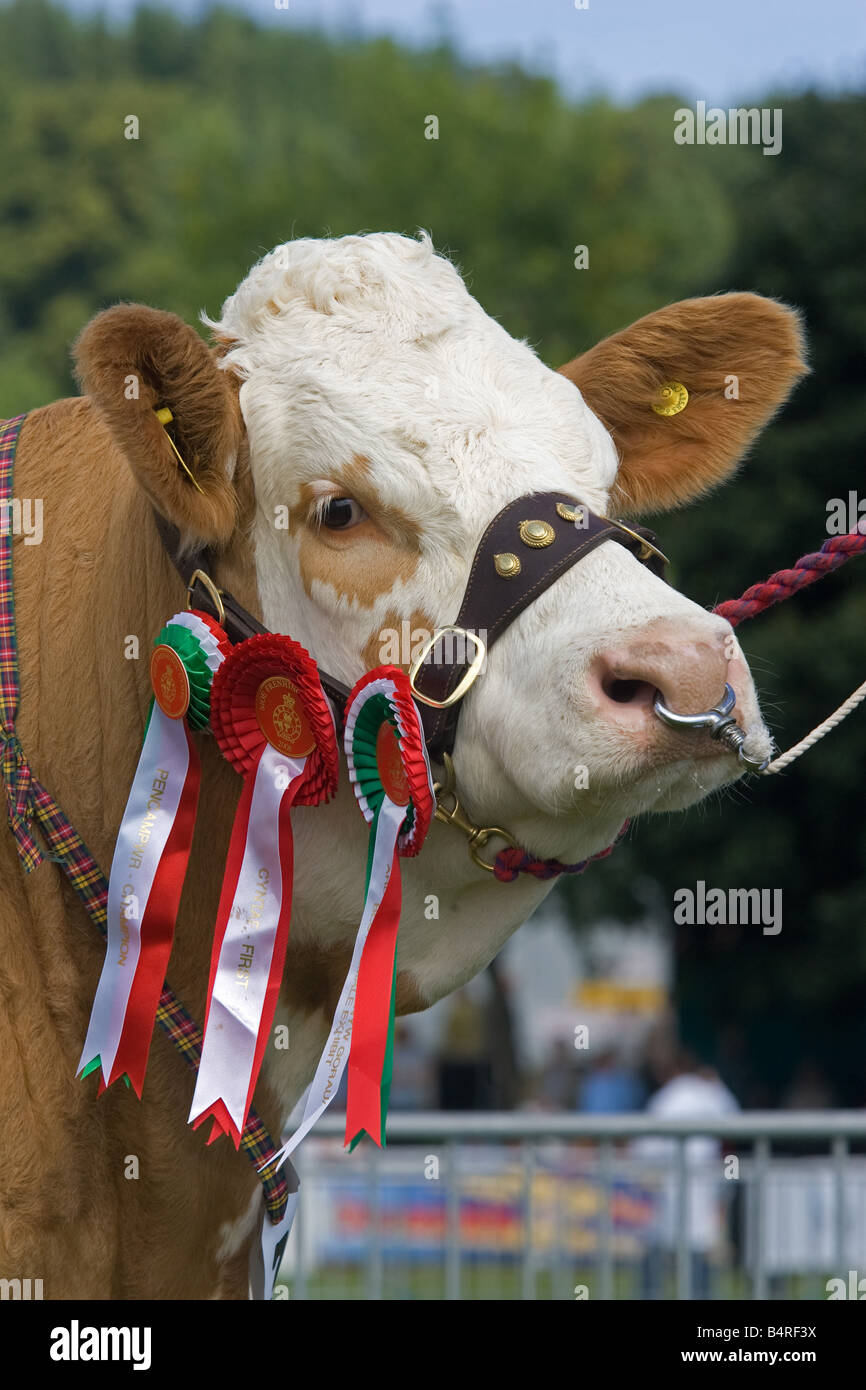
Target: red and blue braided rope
{"points": [[785, 583]]}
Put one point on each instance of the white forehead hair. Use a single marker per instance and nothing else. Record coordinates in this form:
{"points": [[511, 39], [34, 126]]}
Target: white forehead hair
{"points": [[379, 336]]}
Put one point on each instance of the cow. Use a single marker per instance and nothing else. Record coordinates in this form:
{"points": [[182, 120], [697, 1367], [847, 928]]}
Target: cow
{"points": [[354, 424]]}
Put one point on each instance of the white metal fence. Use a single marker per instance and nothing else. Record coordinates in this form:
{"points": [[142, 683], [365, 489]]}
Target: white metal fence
{"points": [[536, 1206]]}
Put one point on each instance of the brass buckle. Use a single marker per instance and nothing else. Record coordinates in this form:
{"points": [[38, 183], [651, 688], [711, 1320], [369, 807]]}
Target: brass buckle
{"points": [[215, 593], [462, 685], [647, 548], [476, 835]]}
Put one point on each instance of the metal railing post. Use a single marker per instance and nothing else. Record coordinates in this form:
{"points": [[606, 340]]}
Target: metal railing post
{"points": [[683, 1234], [840, 1158], [605, 1227], [375, 1272], [761, 1161], [527, 1266], [452, 1249]]}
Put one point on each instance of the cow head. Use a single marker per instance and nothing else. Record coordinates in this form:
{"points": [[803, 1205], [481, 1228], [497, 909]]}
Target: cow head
{"points": [[363, 419]]}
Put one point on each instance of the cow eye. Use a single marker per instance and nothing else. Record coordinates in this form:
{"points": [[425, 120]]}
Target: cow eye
{"points": [[340, 513]]}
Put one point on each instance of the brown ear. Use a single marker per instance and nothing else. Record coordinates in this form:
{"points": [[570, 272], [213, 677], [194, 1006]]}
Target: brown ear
{"points": [[133, 360], [738, 355]]}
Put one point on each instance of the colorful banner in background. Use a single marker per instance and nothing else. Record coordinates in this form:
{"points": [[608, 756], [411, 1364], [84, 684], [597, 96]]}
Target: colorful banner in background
{"points": [[273, 723], [152, 851]]}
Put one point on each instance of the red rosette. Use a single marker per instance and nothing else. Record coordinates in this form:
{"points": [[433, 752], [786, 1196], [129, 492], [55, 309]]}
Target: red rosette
{"points": [[413, 755], [237, 710]]}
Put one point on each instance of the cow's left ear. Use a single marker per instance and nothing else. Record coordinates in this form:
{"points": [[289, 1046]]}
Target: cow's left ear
{"points": [[132, 361], [738, 356]]}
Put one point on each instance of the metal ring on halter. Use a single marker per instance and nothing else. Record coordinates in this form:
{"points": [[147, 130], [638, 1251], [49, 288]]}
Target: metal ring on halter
{"points": [[719, 722], [215, 594]]}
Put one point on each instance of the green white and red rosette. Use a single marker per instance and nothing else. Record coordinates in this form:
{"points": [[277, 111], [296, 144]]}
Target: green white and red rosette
{"points": [[273, 723], [152, 850], [391, 776]]}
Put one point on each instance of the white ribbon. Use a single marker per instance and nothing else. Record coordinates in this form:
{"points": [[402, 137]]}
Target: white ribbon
{"points": [[147, 821], [263, 1276], [332, 1062], [243, 968]]}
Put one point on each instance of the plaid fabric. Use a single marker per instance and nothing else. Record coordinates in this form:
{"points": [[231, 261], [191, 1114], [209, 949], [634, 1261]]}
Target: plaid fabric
{"points": [[27, 802]]}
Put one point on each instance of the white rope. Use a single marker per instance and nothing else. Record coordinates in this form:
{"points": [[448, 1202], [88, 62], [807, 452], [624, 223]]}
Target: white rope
{"points": [[780, 763]]}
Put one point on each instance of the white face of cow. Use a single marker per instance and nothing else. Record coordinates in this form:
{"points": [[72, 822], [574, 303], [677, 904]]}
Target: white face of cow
{"points": [[389, 418]]}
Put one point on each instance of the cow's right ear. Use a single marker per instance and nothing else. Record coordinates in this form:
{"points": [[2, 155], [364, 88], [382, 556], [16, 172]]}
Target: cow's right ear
{"points": [[132, 361]]}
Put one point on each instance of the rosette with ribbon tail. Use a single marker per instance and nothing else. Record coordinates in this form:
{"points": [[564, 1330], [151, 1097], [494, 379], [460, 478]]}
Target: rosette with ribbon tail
{"points": [[391, 776], [152, 850], [273, 723]]}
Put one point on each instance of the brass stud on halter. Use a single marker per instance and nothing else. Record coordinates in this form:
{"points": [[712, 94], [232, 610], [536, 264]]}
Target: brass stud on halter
{"points": [[569, 513], [508, 566], [536, 534]]}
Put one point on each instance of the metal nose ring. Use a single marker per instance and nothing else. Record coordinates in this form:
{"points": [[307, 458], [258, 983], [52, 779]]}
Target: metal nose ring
{"points": [[718, 721]]}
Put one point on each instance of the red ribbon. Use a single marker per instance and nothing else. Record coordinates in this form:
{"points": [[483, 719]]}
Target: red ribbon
{"points": [[373, 1015], [242, 741]]}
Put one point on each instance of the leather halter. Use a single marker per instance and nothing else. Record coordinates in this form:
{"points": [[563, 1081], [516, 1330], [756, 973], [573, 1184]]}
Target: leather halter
{"points": [[527, 546]]}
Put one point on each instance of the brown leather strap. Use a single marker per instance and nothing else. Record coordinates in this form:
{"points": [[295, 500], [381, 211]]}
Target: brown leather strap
{"points": [[494, 597], [239, 622]]}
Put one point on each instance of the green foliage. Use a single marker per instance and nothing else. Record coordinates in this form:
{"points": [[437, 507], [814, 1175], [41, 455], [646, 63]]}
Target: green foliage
{"points": [[250, 135], [800, 994]]}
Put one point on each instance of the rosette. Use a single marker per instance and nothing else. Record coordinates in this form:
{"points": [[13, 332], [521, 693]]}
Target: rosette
{"points": [[391, 777], [152, 851], [273, 723]]}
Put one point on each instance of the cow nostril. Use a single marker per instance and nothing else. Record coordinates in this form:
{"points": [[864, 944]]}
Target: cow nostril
{"points": [[628, 692]]}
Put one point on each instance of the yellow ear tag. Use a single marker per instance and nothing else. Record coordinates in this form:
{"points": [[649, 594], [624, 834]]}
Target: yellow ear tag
{"points": [[670, 399], [165, 417]]}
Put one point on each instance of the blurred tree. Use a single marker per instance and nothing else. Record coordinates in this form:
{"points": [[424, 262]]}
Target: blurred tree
{"points": [[248, 136], [803, 992]]}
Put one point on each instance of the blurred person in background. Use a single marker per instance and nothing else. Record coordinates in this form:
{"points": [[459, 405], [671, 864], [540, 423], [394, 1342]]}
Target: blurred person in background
{"points": [[557, 1083], [465, 1073], [690, 1091], [610, 1086], [809, 1088], [413, 1076]]}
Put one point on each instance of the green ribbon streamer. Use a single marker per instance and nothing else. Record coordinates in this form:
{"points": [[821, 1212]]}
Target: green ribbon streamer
{"points": [[95, 1065]]}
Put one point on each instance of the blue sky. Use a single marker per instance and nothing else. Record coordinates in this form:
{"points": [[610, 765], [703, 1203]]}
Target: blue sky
{"points": [[721, 50]]}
